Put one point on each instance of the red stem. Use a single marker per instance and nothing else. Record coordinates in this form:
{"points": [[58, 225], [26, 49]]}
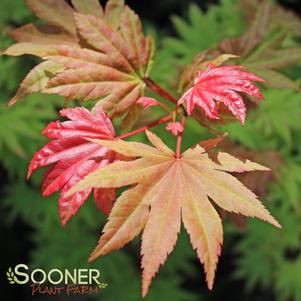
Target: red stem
{"points": [[164, 107], [180, 139], [158, 89], [137, 131]]}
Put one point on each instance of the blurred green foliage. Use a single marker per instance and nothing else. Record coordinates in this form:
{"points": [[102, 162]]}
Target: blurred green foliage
{"points": [[265, 257]]}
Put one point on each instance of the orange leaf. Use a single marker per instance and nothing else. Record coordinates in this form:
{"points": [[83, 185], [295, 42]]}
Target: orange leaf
{"points": [[165, 187], [104, 53], [89, 7], [54, 12]]}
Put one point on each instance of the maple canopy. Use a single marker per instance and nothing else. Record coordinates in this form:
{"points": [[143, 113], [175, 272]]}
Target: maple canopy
{"points": [[167, 189]]}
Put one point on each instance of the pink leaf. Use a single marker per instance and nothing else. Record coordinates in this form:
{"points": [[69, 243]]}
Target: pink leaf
{"points": [[104, 199], [221, 84], [147, 102], [175, 128], [72, 157]]}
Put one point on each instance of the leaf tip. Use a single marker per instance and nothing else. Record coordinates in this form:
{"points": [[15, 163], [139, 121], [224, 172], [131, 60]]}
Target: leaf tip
{"points": [[276, 224], [93, 255], [210, 286], [12, 101], [90, 259], [145, 287], [210, 276], [271, 220], [63, 222]]}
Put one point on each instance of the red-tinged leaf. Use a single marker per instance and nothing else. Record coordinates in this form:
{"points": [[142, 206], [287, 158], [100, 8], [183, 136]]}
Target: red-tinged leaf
{"points": [[39, 40], [232, 164], [42, 35], [256, 181], [168, 185], [203, 224], [159, 144], [69, 205], [147, 102], [163, 225], [100, 36], [209, 144], [257, 29], [113, 12], [123, 173], [54, 12], [200, 62], [107, 48], [230, 194], [90, 83], [104, 199], [131, 31], [36, 80], [135, 149], [78, 58], [221, 84], [116, 91], [262, 48], [175, 128], [30, 48], [89, 7], [71, 157], [126, 221]]}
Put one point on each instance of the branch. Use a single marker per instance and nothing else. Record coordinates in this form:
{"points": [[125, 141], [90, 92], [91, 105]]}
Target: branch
{"points": [[180, 138], [159, 90]]}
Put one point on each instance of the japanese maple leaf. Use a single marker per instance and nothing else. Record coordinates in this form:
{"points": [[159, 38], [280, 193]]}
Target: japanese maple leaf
{"points": [[147, 102], [89, 52], [175, 128], [71, 157], [167, 189], [221, 84]]}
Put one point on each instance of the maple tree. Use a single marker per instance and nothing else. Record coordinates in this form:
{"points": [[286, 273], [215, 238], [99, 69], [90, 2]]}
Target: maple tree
{"points": [[100, 54]]}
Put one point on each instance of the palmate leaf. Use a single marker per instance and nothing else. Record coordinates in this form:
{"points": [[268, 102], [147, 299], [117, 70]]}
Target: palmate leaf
{"points": [[54, 12], [261, 48], [103, 53], [256, 181], [165, 186], [71, 157], [88, 7], [221, 84], [37, 79]]}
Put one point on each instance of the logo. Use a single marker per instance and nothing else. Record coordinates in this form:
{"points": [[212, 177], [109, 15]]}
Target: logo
{"points": [[11, 276], [57, 281]]}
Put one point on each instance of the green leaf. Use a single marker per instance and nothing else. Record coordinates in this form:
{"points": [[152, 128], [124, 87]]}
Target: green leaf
{"points": [[275, 79]]}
